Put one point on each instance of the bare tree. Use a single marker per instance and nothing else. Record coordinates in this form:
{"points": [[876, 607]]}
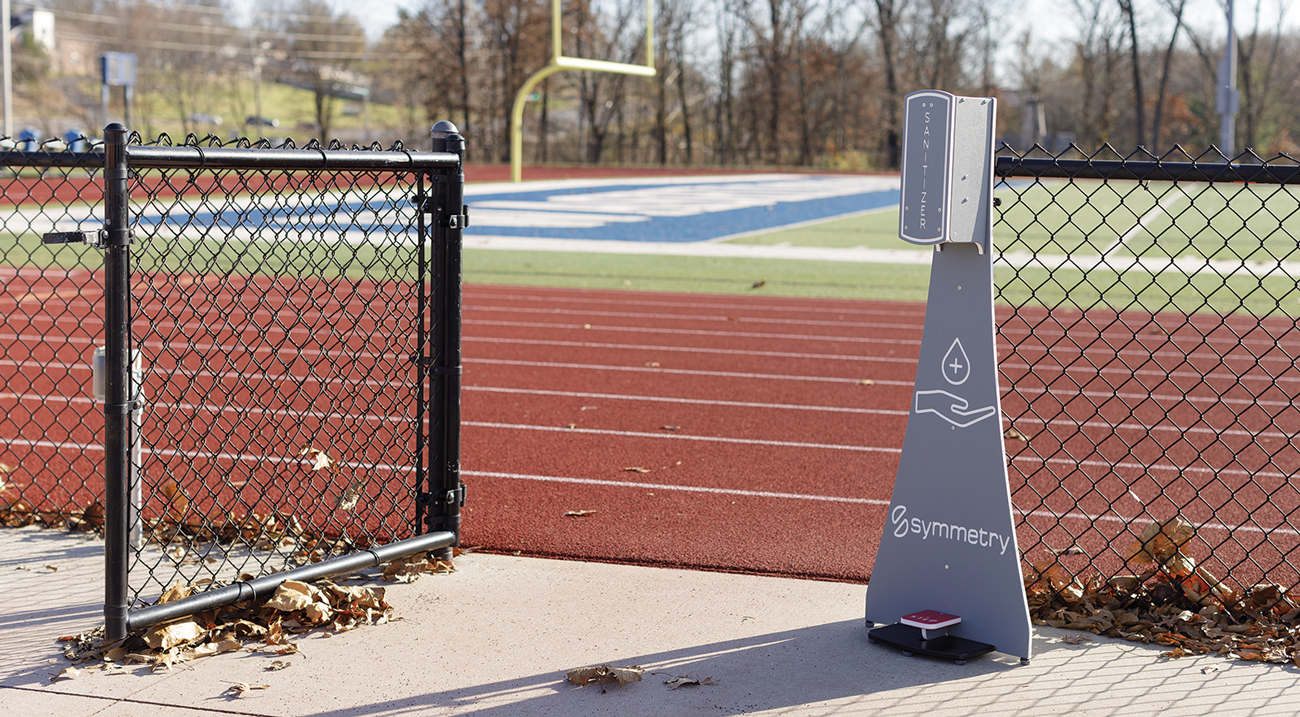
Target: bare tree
{"points": [[1135, 55], [327, 45]]}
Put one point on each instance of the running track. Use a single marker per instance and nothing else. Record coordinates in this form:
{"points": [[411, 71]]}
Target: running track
{"points": [[759, 445]]}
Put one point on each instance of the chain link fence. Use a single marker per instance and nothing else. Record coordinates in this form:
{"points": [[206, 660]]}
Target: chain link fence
{"points": [[1149, 345], [295, 399], [278, 378]]}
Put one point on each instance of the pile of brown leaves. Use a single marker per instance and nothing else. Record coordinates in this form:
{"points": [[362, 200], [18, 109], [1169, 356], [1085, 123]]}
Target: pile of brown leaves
{"points": [[296, 608], [1172, 601]]}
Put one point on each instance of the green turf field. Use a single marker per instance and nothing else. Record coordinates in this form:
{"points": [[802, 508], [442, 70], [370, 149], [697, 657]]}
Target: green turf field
{"points": [[1083, 244]]}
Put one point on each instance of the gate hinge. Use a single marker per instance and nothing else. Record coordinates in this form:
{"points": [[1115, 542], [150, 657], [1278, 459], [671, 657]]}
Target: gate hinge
{"points": [[454, 497]]}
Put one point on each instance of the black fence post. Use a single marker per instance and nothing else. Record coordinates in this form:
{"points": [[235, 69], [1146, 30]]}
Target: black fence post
{"points": [[117, 378], [446, 494]]}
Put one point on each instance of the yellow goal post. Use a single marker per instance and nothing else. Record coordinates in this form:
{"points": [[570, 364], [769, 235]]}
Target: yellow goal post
{"points": [[559, 63]]}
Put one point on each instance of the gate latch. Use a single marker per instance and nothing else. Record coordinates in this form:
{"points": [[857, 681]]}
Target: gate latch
{"points": [[95, 239]]}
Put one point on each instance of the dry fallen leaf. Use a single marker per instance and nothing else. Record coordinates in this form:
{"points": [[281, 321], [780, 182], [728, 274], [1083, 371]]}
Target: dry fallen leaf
{"points": [[652, 364], [240, 688], [636, 469], [320, 461], [1013, 434], [292, 596], [67, 673], [162, 637], [759, 284], [687, 681], [1210, 669], [1160, 541], [226, 644], [605, 673], [579, 513], [866, 382], [1075, 639], [671, 428], [349, 499], [278, 665]]}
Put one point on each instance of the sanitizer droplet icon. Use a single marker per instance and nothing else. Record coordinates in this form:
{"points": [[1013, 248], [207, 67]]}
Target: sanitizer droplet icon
{"points": [[956, 366]]}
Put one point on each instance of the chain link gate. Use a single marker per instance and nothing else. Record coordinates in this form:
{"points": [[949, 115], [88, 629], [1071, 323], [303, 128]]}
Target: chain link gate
{"points": [[279, 380]]}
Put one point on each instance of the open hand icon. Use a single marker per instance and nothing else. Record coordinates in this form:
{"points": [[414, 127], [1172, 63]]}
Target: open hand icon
{"points": [[951, 408]]}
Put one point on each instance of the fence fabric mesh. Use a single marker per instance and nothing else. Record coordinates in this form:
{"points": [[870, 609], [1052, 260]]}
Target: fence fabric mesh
{"points": [[1148, 349], [277, 314]]}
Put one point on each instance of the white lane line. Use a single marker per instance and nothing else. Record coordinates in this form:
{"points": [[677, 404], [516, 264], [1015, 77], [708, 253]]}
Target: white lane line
{"points": [[693, 303], [200, 408], [246, 458], [1007, 391], [1077, 426], [713, 318], [680, 371], [1202, 470], [210, 455], [1074, 515], [688, 349], [1161, 207], [679, 437], [1037, 369], [689, 401], [683, 488], [696, 332]]}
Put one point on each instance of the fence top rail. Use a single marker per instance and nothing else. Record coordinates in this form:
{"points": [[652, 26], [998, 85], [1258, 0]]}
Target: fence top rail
{"points": [[191, 157], [1034, 167]]}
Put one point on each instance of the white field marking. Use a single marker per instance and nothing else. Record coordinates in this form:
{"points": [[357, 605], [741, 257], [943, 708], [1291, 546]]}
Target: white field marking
{"points": [[210, 455], [1180, 266], [706, 249], [1161, 207], [694, 332], [687, 197], [713, 318], [498, 214], [679, 437], [690, 401], [1073, 515], [686, 349]]}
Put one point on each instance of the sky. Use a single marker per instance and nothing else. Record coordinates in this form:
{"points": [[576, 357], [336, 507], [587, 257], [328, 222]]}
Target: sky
{"points": [[1047, 19]]}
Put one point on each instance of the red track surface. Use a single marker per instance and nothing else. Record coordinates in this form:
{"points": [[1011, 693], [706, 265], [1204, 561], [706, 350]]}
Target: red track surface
{"points": [[758, 449]]}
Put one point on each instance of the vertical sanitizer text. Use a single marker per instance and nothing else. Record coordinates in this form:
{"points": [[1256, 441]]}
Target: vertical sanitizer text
{"points": [[927, 168]]}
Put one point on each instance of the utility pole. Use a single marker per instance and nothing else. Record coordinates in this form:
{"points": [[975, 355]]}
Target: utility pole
{"points": [[7, 51], [1228, 101]]}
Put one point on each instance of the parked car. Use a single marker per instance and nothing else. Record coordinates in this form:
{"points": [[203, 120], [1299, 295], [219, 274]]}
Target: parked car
{"points": [[262, 122], [205, 118]]}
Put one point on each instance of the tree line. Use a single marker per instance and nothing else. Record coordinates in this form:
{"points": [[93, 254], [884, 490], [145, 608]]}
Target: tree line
{"points": [[814, 83]]}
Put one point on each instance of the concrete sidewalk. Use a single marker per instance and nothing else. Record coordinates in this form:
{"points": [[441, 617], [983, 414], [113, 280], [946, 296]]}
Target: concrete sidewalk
{"points": [[497, 637]]}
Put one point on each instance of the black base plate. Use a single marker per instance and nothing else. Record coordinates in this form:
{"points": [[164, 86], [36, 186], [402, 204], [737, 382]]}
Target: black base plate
{"points": [[908, 639]]}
